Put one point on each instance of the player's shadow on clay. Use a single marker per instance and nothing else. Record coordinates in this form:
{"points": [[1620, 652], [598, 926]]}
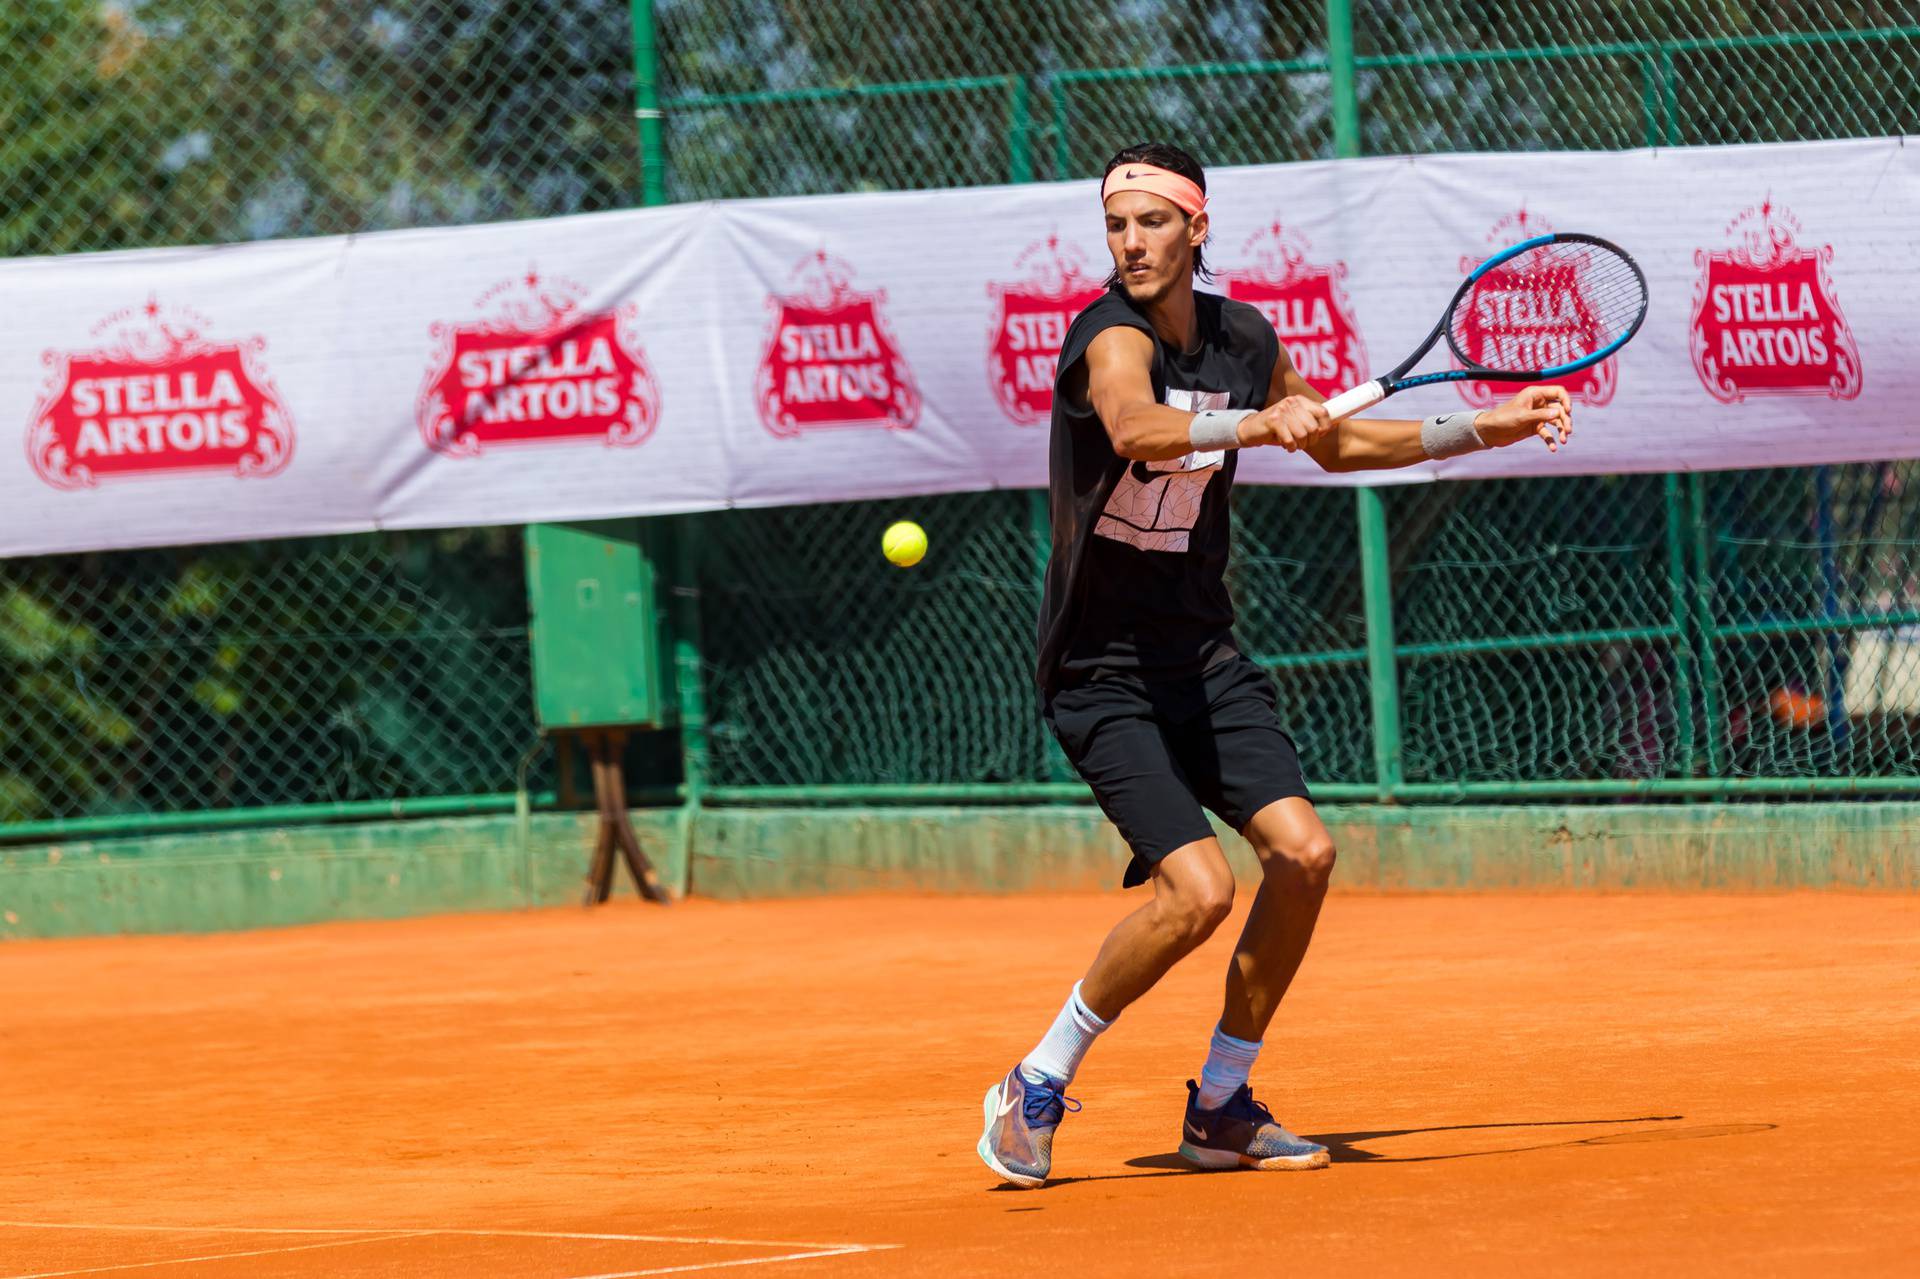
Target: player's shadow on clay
{"points": [[1346, 1147]]}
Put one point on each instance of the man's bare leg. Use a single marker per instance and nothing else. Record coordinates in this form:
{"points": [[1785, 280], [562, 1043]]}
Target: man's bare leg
{"points": [[1225, 1127], [1296, 858], [1192, 895]]}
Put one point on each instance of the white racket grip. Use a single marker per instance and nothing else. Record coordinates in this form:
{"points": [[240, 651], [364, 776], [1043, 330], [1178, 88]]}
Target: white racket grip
{"points": [[1347, 403]]}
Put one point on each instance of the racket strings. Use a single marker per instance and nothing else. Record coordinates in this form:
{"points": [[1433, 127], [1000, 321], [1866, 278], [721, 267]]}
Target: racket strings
{"points": [[1550, 305]]}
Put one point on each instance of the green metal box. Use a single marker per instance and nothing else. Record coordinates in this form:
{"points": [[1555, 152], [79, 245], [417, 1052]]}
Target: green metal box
{"points": [[597, 598]]}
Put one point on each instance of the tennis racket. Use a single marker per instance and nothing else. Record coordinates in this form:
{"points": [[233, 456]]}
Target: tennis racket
{"points": [[1544, 308]]}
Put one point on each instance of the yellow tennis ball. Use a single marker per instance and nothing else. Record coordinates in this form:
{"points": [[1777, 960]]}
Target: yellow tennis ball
{"points": [[904, 542]]}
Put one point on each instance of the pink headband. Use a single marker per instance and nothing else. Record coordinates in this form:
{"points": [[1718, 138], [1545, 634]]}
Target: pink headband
{"points": [[1183, 192]]}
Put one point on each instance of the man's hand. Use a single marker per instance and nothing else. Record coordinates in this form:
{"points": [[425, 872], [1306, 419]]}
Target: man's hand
{"points": [[1292, 423], [1545, 411]]}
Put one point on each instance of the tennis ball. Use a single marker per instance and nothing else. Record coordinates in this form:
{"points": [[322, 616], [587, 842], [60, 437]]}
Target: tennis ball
{"points": [[904, 542]]}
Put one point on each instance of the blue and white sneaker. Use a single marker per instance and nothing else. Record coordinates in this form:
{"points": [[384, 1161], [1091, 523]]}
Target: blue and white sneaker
{"points": [[1020, 1121], [1242, 1134]]}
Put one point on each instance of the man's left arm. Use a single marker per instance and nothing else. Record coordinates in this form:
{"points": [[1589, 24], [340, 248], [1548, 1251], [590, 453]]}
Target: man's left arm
{"points": [[1385, 444]]}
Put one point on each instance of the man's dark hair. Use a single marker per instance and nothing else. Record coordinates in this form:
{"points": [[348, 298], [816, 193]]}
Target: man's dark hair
{"points": [[1164, 155]]}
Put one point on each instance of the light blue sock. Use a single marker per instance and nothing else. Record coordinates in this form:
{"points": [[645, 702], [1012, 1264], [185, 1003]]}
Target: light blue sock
{"points": [[1229, 1062], [1066, 1043]]}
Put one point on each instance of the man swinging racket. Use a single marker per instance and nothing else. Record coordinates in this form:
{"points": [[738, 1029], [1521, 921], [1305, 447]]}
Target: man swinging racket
{"points": [[1141, 680]]}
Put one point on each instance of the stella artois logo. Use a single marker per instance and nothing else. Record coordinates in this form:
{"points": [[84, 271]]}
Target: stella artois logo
{"points": [[1306, 303], [1766, 320], [1535, 320], [157, 397], [830, 359], [537, 369], [1030, 322]]}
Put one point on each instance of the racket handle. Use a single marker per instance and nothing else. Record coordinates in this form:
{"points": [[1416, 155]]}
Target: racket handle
{"points": [[1347, 403]]}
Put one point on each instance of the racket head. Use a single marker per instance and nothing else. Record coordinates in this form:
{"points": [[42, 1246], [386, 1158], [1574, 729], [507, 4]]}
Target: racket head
{"points": [[1546, 307]]}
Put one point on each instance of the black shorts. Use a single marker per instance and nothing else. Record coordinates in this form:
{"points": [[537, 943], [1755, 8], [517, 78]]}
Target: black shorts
{"points": [[1157, 751]]}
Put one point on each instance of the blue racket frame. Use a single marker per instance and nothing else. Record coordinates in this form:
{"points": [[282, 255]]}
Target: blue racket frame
{"points": [[1398, 380]]}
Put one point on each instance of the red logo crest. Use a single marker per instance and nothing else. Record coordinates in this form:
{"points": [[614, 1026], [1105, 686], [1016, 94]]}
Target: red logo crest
{"points": [[1030, 322], [1306, 303], [1532, 322], [830, 359], [536, 369], [1765, 317], [158, 397]]}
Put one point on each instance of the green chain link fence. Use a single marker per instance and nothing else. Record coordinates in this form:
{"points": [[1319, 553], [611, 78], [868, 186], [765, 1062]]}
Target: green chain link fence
{"points": [[346, 672], [1744, 633]]}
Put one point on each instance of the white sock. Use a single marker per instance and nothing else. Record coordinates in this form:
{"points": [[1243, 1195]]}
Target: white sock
{"points": [[1229, 1062], [1066, 1043]]}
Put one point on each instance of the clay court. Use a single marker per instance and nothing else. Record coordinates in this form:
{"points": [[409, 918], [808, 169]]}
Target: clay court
{"points": [[1703, 1084]]}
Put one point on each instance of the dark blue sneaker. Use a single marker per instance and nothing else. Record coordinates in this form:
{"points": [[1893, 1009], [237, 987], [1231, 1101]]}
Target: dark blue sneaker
{"points": [[1021, 1119], [1242, 1134]]}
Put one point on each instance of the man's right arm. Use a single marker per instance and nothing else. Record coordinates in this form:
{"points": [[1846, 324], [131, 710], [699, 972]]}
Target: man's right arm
{"points": [[1120, 388]]}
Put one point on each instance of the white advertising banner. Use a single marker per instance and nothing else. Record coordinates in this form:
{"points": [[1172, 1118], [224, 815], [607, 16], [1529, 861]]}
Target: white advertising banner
{"points": [[845, 347]]}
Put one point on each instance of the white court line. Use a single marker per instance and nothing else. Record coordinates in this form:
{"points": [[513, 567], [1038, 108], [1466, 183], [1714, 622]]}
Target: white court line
{"points": [[847, 1251], [439, 1230], [813, 1250], [216, 1256]]}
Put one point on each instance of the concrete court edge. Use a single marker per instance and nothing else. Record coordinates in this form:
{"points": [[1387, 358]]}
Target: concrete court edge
{"points": [[274, 877]]}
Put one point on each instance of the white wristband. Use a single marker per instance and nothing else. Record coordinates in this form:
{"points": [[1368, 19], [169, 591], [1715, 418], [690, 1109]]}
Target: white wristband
{"points": [[1215, 429], [1450, 435]]}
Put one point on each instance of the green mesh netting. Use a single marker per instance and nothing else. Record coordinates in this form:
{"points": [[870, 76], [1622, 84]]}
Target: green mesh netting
{"points": [[1814, 620], [1538, 621], [1296, 591], [331, 669], [828, 664]]}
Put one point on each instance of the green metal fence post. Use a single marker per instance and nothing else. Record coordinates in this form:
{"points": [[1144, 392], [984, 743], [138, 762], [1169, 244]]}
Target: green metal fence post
{"points": [[1383, 673], [689, 681], [1685, 643], [1669, 98], [1376, 561], [1040, 528], [646, 106], [1019, 130], [683, 620], [1062, 154], [1039, 520], [1714, 728], [1346, 96], [1652, 101]]}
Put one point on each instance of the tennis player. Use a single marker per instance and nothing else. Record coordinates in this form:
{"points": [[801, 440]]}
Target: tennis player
{"points": [[1159, 388]]}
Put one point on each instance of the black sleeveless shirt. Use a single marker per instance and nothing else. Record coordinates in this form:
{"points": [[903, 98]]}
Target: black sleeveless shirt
{"points": [[1136, 578]]}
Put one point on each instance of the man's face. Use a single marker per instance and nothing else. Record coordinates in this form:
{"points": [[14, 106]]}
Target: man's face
{"points": [[1152, 243]]}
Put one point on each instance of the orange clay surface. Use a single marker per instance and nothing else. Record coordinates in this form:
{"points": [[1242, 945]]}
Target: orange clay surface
{"points": [[1574, 1085]]}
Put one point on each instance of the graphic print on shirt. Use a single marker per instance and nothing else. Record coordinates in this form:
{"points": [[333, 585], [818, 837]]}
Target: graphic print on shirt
{"points": [[1156, 504]]}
